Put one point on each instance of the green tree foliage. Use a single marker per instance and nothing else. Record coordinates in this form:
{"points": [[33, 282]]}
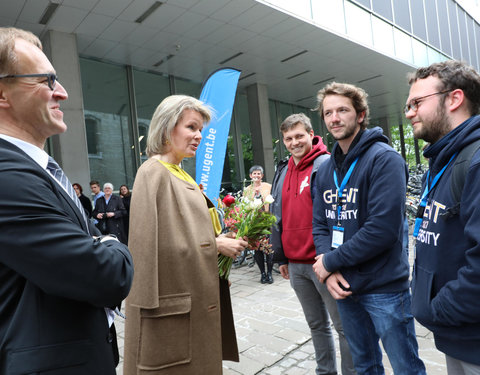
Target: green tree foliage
{"points": [[409, 144]]}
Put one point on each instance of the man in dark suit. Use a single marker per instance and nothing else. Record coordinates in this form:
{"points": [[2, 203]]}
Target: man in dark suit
{"points": [[58, 283]]}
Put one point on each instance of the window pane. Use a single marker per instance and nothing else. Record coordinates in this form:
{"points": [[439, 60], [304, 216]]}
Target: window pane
{"points": [[107, 111], [432, 23], [150, 90], [418, 19], [403, 46], [463, 34], [384, 8], [358, 24], [383, 36], [277, 138], [477, 36], [230, 178], [283, 111], [402, 14], [444, 27], [331, 16], [365, 3], [420, 53], [186, 87], [471, 39], [434, 56], [240, 150], [454, 32]]}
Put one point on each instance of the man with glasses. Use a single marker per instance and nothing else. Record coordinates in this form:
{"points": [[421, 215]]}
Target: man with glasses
{"points": [[358, 216], [58, 284], [443, 107]]}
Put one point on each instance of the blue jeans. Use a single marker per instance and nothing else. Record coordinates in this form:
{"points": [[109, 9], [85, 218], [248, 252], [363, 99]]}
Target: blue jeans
{"points": [[367, 318], [317, 305]]}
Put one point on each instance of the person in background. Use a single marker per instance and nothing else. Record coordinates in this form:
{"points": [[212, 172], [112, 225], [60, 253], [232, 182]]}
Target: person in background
{"points": [[96, 191], [260, 190], [292, 240], [109, 211], [180, 320], [443, 107], [126, 196], [58, 279], [358, 223], [86, 203]]}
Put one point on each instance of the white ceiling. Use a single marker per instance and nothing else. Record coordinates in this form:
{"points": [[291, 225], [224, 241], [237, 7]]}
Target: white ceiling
{"points": [[202, 33]]}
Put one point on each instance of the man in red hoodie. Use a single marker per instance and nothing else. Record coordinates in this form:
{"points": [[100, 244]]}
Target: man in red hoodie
{"points": [[292, 240]]}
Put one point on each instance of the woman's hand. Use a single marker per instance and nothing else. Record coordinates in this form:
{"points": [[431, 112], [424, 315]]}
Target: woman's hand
{"points": [[229, 246]]}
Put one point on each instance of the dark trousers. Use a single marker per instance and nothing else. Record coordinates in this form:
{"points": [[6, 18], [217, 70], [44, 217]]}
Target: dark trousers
{"points": [[261, 258]]}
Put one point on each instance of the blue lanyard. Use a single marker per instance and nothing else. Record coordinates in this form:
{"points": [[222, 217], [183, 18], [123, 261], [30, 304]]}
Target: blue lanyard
{"points": [[426, 192], [342, 187]]}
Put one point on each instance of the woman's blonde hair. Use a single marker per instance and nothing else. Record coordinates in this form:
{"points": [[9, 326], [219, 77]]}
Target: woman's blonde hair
{"points": [[166, 117]]}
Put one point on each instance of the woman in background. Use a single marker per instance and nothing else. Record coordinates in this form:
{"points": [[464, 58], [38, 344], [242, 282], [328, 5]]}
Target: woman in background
{"points": [[126, 197], [260, 190], [179, 318], [86, 203]]}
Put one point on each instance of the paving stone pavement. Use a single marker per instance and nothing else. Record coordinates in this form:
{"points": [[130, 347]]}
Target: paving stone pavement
{"points": [[272, 334]]}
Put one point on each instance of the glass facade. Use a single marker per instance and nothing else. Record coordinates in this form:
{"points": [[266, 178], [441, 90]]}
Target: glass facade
{"points": [[445, 29], [108, 123], [114, 155], [416, 32]]}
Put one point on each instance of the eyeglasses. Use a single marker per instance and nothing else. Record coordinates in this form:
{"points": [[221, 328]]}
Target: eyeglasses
{"points": [[414, 103], [51, 78]]}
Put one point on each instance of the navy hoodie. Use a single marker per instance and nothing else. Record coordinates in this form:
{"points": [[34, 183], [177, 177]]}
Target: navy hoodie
{"points": [[446, 277], [371, 258]]}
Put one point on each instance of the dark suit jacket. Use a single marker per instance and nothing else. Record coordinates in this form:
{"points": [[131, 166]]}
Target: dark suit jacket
{"points": [[87, 204], [54, 278], [114, 224]]}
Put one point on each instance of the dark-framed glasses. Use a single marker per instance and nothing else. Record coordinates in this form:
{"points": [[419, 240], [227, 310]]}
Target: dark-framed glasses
{"points": [[51, 78], [413, 104]]}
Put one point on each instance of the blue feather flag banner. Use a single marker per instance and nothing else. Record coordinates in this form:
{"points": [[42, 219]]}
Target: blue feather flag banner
{"points": [[218, 92]]}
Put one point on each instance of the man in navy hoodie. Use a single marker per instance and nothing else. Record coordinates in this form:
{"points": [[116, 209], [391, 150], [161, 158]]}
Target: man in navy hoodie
{"points": [[442, 106], [358, 216], [292, 239]]}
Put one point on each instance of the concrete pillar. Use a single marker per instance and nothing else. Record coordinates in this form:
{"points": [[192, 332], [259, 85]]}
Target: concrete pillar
{"points": [[69, 149], [260, 128]]}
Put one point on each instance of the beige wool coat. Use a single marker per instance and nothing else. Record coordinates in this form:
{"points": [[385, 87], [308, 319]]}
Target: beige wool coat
{"points": [[173, 316]]}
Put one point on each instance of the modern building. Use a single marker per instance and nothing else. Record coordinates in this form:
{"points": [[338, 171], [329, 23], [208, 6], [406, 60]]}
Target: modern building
{"points": [[119, 58]]}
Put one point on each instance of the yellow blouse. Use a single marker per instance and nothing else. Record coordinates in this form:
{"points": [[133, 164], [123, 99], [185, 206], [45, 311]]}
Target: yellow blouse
{"points": [[181, 174]]}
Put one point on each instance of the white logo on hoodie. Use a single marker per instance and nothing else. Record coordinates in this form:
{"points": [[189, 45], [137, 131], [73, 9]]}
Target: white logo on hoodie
{"points": [[304, 184]]}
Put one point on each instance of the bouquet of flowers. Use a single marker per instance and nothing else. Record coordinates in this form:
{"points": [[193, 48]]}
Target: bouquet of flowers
{"points": [[246, 218]]}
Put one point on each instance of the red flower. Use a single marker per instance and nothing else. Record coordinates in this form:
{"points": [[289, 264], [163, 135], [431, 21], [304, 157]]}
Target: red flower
{"points": [[228, 200]]}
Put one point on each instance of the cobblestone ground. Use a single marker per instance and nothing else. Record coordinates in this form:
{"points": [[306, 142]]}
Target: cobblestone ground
{"points": [[273, 337]]}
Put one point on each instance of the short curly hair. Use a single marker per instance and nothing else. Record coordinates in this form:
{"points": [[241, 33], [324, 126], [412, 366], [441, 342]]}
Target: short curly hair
{"points": [[357, 95], [453, 74]]}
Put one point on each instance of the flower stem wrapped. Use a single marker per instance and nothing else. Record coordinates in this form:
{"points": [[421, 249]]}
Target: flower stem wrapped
{"points": [[248, 219]]}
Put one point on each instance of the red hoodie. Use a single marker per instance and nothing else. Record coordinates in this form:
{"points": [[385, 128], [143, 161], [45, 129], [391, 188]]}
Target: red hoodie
{"points": [[297, 239]]}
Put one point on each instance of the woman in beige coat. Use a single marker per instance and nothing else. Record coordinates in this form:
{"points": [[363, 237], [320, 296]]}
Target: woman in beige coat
{"points": [[178, 321]]}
